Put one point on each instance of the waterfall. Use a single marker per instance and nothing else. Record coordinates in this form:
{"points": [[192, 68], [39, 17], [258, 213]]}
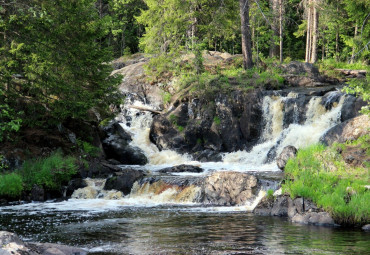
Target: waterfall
{"points": [[138, 126], [318, 120]]}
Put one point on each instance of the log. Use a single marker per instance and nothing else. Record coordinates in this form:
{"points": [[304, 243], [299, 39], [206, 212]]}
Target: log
{"points": [[144, 109], [351, 72]]}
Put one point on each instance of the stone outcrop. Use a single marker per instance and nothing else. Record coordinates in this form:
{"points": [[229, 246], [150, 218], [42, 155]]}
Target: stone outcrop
{"points": [[226, 123], [116, 146], [11, 244], [123, 180], [298, 210], [181, 169], [347, 131], [229, 188], [287, 153], [300, 74]]}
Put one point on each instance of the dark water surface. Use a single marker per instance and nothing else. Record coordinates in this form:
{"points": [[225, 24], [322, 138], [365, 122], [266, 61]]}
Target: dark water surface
{"points": [[180, 230]]}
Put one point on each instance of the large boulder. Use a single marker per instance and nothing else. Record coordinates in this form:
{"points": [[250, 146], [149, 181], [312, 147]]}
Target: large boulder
{"points": [[117, 148], [229, 188], [298, 210], [347, 131], [287, 153], [181, 169], [301, 74], [123, 180]]}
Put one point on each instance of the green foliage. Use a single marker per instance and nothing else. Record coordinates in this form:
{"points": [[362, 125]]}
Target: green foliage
{"points": [[11, 185], [360, 87], [270, 194], [51, 61], [9, 120], [180, 128], [217, 120], [48, 172], [166, 97], [319, 173], [88, 149]]}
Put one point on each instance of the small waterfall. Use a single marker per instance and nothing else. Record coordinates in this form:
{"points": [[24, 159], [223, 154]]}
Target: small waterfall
{"points": [[138, 125], [161, 192], [319, 118], [95, 189]]}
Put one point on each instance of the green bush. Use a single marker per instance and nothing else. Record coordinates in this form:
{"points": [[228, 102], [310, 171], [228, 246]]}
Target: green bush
{"points": [[49, 172], [319, 173], [11, 185]]}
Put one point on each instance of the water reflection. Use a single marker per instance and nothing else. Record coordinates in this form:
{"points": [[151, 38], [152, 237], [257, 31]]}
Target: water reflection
{"points": [[169, 230]]}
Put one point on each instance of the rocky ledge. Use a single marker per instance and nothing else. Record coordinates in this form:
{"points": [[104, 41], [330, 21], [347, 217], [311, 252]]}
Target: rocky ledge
{"points": [[11, 244], [298, 210]]}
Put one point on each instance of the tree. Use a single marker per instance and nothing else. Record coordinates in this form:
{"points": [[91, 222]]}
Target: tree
{"points": [[51, 62], [246, 34]]}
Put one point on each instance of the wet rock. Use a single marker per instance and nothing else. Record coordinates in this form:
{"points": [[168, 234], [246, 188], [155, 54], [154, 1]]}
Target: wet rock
{"points": [[347, 131], [182, 168], [229, 188], [264, 207], [37, 193], [11, 244], [280, 206], [124, 180], [207, 156], [118, 148], [287, 153], [75, 184], [366, 228], [8, 237], [316, 218]]}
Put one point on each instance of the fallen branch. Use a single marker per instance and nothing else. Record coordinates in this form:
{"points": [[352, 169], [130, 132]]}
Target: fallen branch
{"points": [[144, 109]]}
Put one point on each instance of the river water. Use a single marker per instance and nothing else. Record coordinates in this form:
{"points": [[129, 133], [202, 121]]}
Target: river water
{"points": [[174, 230]]}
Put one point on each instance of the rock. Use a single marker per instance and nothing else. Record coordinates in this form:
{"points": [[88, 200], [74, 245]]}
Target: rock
{"points": [[182, 168], [301, 68], [366, 227], [56, 249], [287, 153], [8, 237], [75, 184], [207, 156], [124, 180], [315, 218], [229, 188], [347, 131], [280, 206], [37, 193], [11, 244], [117, 148], [264, 207]]}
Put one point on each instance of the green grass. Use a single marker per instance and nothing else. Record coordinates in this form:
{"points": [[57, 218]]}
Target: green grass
{"points": [[320, 174], [11, 185], [48, 172]]}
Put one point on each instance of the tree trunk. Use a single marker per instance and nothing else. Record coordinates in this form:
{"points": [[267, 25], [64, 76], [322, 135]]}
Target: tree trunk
{"points": [[354, 45], [315, 31], [246, 34], [275, 11], [308, 38], [281, 30]]}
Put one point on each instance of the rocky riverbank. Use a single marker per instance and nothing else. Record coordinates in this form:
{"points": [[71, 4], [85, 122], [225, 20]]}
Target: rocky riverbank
{"points": [[11, 244]]}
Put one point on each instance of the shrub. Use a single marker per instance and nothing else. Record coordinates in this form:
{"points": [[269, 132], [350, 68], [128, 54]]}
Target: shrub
{"points": [[217, 120], [49, 172], [11, 185]]}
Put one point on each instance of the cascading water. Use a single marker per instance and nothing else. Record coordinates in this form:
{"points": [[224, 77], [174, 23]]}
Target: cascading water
{"points": [[279, 130]]}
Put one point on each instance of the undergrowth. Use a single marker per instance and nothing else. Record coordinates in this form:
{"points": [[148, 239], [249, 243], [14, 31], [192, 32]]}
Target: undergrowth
{"points": [[320, 174], [50, 173]]}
